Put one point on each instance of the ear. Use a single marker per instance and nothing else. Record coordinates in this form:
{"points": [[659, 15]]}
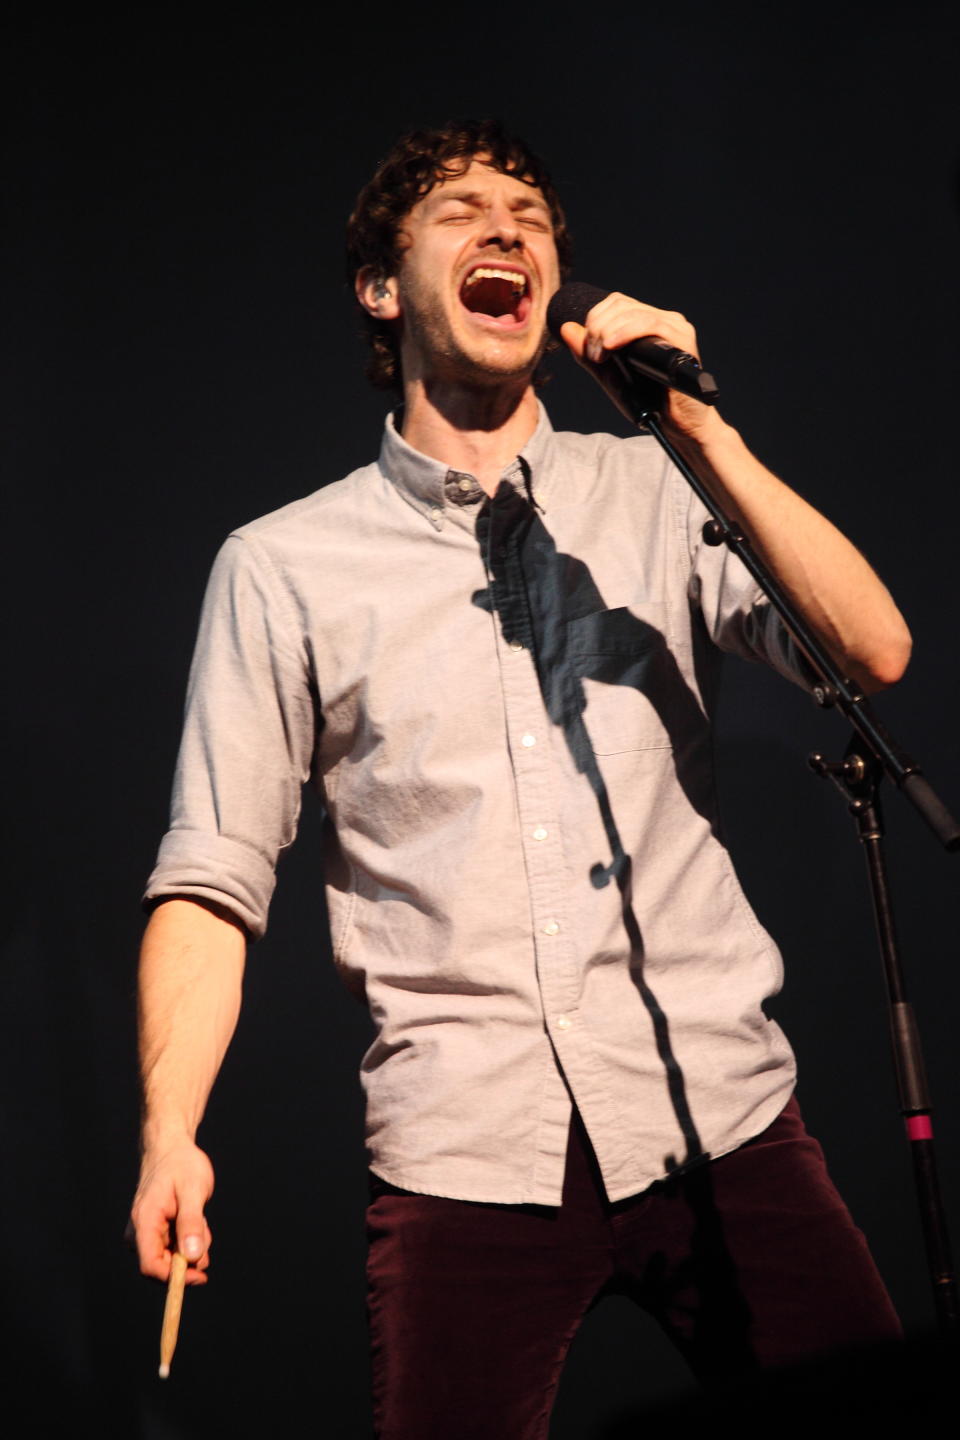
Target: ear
{"points": [[377, 295]]}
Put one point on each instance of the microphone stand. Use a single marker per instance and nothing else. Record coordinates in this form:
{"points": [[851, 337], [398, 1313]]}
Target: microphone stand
{"points": [[870, 755]]}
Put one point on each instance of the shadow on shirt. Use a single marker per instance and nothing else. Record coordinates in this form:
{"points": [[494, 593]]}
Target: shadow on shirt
{"points": [[548, 601]]}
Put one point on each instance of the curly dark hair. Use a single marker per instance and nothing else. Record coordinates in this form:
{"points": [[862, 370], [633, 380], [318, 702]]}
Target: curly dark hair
{"points": [[418, 161]]}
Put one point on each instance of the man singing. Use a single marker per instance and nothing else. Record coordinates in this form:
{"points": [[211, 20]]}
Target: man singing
{"points": [[494, 653]]}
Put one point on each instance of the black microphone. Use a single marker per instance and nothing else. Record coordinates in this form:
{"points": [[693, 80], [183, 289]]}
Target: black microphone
{"points": [[650, 357]]}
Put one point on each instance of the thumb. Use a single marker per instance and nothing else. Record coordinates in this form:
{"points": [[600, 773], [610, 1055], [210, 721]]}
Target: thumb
{"points": [[191, 1227], [573, 335]]}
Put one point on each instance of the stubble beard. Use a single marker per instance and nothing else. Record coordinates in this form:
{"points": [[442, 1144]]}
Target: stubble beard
{"points": [[451, 362]]}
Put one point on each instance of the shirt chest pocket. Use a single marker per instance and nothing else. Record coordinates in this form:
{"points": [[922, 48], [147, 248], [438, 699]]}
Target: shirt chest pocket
{"points": [[627, 677]]}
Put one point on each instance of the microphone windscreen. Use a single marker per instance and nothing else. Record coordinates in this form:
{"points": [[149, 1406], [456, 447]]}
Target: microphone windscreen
{"points": [[572, 302]]}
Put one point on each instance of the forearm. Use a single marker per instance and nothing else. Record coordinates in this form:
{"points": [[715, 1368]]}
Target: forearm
{"points": [[191, 974], [829, 581], [826, 577]]}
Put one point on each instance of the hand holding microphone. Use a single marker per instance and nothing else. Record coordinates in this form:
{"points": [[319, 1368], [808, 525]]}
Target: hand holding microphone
{"points": [[637, 361]]}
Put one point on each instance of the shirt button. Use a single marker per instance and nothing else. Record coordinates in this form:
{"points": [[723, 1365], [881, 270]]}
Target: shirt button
{"points": [[564, 1022], [540, 833], [528, 740], [516, 644], [464, 484], [552, 927], [436, 513]]}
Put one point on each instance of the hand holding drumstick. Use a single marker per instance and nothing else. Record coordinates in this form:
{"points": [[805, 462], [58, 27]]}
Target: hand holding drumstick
{"points": [[169, 1201]]}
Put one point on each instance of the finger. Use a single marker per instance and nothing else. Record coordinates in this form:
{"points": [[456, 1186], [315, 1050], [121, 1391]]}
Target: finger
{"points": [[573, 335], [153, 1251], [196, 1269], [624, 328], [576, 337], [193, 1235], [618, 319], [602, 319], [148, 1229]]}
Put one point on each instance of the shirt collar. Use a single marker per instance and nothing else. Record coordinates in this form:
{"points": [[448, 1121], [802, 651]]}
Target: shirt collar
{"points": [[440, 493]]}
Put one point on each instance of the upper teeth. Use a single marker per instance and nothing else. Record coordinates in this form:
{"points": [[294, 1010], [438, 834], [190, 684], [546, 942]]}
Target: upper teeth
{"points": [[487, 272]]}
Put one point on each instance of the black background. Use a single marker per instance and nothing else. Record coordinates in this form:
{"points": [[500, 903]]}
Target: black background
{"points": [[181, 356]]}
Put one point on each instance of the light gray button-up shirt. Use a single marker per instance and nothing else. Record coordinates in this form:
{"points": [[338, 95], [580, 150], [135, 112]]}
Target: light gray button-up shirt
{"points": [[504, 704]]}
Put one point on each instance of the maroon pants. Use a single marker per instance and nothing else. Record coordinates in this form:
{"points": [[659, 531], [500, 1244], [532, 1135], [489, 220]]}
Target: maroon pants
{"points": [[750, 1262]]}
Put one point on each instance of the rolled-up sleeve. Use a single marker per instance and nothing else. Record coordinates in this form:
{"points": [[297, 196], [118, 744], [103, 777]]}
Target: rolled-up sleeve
{"points": [[248, 740], [738, 616]]}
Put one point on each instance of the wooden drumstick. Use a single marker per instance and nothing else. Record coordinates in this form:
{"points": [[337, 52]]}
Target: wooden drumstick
{"points": [[171, 1312]]}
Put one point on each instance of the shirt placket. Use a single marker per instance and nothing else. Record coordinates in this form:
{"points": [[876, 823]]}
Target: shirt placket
{"points": [[531, 741]]}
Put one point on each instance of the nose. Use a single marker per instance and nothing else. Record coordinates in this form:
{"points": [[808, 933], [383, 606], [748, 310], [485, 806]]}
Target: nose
{"points": [[502, 229]]}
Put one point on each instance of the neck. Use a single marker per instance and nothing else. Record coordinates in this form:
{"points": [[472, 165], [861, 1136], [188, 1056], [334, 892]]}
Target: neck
{"points": [[477, 430]]}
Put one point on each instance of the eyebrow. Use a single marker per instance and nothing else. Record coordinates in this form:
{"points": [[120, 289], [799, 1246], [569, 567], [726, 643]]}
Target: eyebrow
{"points": [[474, 197]]}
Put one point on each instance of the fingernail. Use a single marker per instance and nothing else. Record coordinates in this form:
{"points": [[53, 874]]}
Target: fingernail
{"points": [[193, 1247], [594, 351]]}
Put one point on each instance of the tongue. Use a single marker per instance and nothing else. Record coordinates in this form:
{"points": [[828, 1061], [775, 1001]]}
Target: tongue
{"points": [[491, 297]]}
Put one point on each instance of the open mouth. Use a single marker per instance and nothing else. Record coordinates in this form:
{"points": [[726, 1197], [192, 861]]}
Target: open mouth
{"points": [[502, 295]]}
